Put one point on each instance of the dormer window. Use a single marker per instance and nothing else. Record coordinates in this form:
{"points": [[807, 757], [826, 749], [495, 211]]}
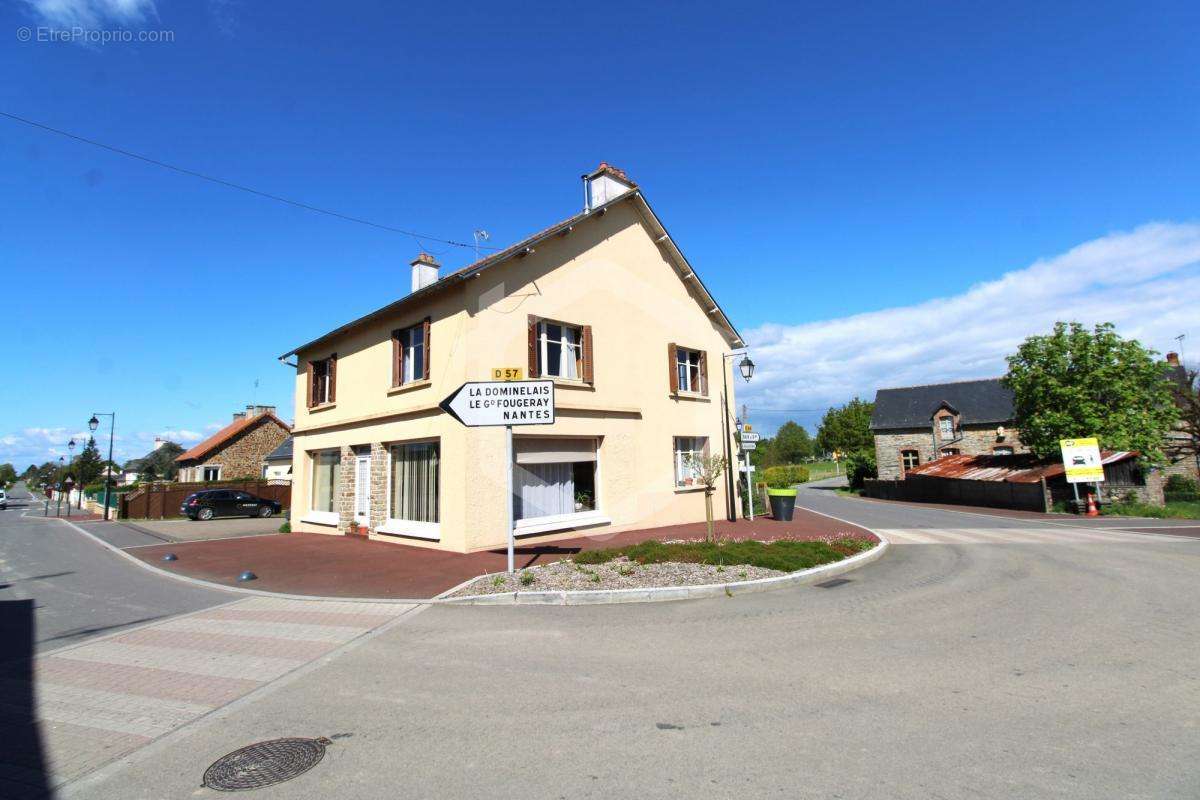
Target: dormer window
{"points": [[946, 427]]}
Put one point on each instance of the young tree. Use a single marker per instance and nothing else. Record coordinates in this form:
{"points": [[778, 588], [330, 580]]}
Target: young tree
{"points": [[847, 429], [792, 444], [8, 474], [88, 466], [1075, 383], [708, 470]]}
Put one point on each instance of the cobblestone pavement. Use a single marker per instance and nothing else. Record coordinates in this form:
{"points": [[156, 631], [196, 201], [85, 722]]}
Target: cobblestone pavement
{"points": [[85, 705]]}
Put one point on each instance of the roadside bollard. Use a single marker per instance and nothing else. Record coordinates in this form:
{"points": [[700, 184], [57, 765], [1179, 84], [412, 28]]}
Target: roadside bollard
{"points": [[247, 575]]}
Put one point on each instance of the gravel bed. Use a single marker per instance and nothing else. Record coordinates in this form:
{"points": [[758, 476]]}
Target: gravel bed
{"points": [[620, 573]]}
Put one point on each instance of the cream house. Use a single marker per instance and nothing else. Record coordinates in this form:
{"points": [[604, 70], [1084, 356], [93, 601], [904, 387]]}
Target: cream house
{"points": [[605, 304]]}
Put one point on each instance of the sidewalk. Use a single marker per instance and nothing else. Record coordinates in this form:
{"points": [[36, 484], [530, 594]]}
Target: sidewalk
{"points": [[340, 566], [100, 700]]}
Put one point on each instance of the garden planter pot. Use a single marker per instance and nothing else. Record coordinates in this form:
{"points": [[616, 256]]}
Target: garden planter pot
{"points": [[783, 503]]}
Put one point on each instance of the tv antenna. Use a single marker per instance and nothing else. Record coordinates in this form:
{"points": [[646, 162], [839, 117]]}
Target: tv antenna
{"points": [[1180, 339], [480, 235]]}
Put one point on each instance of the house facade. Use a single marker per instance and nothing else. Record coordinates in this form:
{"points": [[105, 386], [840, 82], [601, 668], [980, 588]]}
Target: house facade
{"points": [[602, 303], [277, 464], [914, 425], [237, 450]]}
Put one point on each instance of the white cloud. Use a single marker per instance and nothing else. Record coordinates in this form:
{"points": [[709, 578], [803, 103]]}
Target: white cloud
{"points": [[91, 13], [38, 445], [1146, 282]]}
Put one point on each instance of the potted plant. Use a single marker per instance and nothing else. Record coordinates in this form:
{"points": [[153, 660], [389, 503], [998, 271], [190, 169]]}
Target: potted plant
{"points": [[781, 493]]}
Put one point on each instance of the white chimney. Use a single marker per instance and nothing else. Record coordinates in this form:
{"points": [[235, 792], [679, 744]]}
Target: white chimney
{"points": [[424, 271], [605, 184], [159, 442]]}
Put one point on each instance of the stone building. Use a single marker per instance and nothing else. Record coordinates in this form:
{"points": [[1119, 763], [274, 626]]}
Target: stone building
{"points": [[237, 450], [914, 425]]}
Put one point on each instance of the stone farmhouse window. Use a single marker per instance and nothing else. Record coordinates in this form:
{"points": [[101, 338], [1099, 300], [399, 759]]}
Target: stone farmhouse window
{"points": [[687, 449], [910, 459], [689, 370], [951, 451], [322, 381], [560, 350], [211, 474], [946, 427], [326, 464], [410, 354]]}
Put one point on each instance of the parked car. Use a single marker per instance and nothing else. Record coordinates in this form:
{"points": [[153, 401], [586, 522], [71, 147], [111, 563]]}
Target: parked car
{"points": [[3, 499], [212, 503]]}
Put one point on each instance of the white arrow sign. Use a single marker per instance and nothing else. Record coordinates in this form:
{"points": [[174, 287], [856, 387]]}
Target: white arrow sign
{"points": [[487, 403], [750, 437], [749, 446]]}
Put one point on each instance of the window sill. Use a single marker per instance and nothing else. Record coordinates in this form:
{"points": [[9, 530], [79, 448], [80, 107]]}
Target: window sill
{"points": [[559, 522], [703, 398], [321, 407], [688, 489], [409, 387], [571, 383], [417, 530], [321, 518]]}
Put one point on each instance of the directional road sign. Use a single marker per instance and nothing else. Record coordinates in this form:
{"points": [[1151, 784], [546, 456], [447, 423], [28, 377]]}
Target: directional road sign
{"points": [[491, 403]]}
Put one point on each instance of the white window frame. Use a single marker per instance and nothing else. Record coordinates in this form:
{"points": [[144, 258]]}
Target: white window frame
{"points": [[204, 472], [405, 527], [559, 522], [314, 515], [684, 367], [565, 347], [322, 364], [362, 492], [679, 454], [946, 427], [409, 347]]}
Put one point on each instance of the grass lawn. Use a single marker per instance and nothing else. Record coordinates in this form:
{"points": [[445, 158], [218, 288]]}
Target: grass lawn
{"points": [[1169, 511], [787, 555], [819, 470]]}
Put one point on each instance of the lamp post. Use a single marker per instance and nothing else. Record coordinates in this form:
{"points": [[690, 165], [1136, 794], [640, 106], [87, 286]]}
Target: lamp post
{"points": [[71, 449], [746, 367], [94, 423]]}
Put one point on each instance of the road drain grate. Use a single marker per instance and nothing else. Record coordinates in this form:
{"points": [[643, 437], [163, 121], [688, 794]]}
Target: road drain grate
{"points": [[264, 764], [832, 582]]}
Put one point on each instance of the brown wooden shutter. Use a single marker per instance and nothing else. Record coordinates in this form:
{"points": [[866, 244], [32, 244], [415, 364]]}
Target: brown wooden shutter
{"points": [[589, 373], [427, 323], [533, 347], [332, 377], [704, 372], [397, 357], [308, 372], [672, 370]]}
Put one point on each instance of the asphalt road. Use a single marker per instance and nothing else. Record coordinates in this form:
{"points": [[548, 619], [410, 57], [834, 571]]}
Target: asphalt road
{"points": [[79, 589], [982, 657]]}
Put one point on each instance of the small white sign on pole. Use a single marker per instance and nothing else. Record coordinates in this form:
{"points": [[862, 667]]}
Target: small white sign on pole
{"points": [[482, 404], [750, 437], [749, 446]]}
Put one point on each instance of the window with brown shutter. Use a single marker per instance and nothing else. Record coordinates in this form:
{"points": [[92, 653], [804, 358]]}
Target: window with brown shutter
{"points": [[308, 378], [704, 372], [322, 381], [426, 324], [689, 370], [560, 350], [410, 354], [589, 359], [397, 357], [333, 378], [533, 347], [672, 366]]}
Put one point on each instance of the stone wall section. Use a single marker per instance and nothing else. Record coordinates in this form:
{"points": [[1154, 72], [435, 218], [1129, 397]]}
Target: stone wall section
{"points": [[242, 456]]}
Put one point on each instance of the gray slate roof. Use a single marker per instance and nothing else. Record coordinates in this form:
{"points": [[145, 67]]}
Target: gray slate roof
{"points": [[980, 402], [281, 453]]}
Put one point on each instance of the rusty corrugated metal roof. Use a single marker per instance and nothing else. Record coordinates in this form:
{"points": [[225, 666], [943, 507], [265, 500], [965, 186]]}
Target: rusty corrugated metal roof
{"points": [[1023, 468]]}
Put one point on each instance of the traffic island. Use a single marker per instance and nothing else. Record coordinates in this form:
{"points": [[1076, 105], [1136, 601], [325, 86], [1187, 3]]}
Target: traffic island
{"points": [[654, 570]]}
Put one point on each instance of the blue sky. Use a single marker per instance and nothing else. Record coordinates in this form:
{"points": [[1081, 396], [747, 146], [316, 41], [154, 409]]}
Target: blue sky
{"points": [[854, 185]]}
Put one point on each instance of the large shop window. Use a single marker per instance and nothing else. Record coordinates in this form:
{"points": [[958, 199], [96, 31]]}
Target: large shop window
{"points": [[326, 465], [415, 488], [688, 450], [554, 481]]}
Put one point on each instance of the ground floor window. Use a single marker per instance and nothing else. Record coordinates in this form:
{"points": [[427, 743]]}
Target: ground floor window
{"points": [[552, 477], [910, 459], [211, 474], [1002, 451], [326, 465], [688, 451], [415, 482]]}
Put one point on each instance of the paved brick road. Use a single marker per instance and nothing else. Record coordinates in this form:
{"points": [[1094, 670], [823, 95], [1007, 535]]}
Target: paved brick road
{"points": [[99, 700]]}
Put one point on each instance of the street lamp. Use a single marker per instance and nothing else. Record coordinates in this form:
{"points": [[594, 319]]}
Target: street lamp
{"points": [[94, 423], [746, 367], [71, 449]]}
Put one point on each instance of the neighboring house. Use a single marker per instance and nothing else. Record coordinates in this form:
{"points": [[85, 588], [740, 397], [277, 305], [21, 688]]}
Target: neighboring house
{"points": [[592, 303], [161, 460], [237, 450], [917, 424], [278, 463], [1182, 458]]}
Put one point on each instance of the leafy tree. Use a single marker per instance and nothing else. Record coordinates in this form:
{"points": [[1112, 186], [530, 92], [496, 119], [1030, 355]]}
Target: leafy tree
{"points": [[792, 444], [1075, 383], [88, 465], [708, 469], [860, 466], [847, 429], [8, 474]]}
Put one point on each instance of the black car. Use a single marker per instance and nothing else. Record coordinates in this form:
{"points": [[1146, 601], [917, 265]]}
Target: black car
{"points": [[226, 503]]}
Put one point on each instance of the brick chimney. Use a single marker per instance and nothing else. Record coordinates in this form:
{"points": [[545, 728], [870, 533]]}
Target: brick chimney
{"points": [[1173, 359], [424, 271]]}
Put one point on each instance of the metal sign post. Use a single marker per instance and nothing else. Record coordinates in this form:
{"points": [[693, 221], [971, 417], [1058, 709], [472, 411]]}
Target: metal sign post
{"points": [[749, 442], [503, 403]]}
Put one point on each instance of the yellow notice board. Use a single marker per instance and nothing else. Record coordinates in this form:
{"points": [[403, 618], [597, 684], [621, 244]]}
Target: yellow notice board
{"points": [[508, 374], [1081, 458]]}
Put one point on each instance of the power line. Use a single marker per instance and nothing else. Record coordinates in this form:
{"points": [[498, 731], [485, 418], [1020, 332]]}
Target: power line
{"points": [[231, 185]]}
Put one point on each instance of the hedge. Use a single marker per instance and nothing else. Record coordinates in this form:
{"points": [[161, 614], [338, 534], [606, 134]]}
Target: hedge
{"points": [[785, 476]]}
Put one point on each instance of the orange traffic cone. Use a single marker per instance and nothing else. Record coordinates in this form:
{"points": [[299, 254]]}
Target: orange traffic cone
{"points": [[1092, 511]]}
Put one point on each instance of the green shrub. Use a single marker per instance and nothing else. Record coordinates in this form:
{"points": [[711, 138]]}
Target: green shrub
{"points": [[1181, 483], [787, 555], [860, 466], [1181, 497], [285, 527], [784, 477]]}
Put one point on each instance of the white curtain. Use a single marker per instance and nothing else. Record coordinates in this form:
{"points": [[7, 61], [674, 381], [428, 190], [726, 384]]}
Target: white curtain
{"points": [[325, 472], [543, 490], [415, 482]]}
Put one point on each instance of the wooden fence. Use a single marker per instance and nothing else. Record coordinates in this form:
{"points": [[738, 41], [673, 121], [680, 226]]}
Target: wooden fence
{"points": [[955, 491], [162, 500]]}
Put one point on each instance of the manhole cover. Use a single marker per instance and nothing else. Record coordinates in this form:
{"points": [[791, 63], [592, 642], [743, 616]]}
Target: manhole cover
{"points": [[264, 764]]}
